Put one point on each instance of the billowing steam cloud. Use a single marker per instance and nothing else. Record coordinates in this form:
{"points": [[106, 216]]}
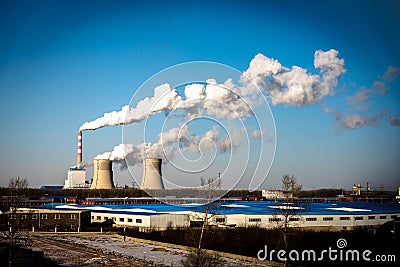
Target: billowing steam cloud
{"points": [[354, 121], [165, 98], [361, 100], [391, 74], [282, 85], [292, 86], [295, 86]]}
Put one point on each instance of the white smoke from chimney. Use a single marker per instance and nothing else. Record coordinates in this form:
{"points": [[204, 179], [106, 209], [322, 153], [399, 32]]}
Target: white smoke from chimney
{"points": [[171, 142], [354, 121], [165, 98], [258, 133], [294, 86], [289, 86]]}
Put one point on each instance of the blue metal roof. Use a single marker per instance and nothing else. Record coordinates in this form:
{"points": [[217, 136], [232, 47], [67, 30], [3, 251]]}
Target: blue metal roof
{"points": [[250, 207], [52, 187]]}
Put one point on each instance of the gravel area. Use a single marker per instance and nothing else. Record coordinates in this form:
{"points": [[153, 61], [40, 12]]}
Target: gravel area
{"points": [[109, 250]]}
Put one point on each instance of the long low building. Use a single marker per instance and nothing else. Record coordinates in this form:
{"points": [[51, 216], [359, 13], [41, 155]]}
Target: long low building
{"points": [[318, 216]]}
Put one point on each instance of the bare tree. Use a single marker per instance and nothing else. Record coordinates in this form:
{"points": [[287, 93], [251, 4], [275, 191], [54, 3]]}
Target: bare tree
{"points": [[210, 185], [199, 257], [15, 222], [287, 213]]}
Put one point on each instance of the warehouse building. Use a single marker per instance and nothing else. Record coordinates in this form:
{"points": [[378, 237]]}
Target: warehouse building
{"points": [[318, 216], [267, 214], [142, 219]]}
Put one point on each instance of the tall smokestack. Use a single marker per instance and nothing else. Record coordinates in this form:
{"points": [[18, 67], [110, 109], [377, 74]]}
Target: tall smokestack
{"points": [[152, 178], [79, 155]]}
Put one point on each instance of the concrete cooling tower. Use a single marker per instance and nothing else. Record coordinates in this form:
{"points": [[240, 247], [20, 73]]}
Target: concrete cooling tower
{"points": [[152, 178], [102, 174]]}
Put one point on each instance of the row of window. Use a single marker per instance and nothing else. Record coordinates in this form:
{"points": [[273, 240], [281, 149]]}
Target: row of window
{"points": [[295, 219], [129, 220], [72, 226], [357, 218], [220, 220], [42, 216]]}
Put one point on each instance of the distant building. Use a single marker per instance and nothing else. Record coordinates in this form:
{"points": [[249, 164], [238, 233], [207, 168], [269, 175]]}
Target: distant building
{"points": [[76, 179], [141, 218], [6, 202], [51, 187], [50, 219], [276, 194], [398, 196]]}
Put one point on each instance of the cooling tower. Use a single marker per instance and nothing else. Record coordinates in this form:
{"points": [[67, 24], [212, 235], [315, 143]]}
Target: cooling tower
{"points": [[102, 174], [152, 178], [79, 155]]}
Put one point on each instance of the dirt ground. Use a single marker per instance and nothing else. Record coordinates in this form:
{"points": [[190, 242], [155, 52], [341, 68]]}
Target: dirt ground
{"points": [[69, 254], [97, 249]]}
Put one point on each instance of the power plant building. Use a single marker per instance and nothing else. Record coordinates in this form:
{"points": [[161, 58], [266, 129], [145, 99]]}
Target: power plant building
{"points": [[76, 178], [152, 176]]}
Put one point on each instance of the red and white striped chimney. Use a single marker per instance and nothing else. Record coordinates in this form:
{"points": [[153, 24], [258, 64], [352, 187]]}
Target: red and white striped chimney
{"points": [[79, 157]]}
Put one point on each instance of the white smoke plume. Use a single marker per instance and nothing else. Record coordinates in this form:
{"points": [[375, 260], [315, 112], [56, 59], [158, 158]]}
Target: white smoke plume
{"points": [[391, 74], [354, 121], [257, 133], [165, 98], [169, 143], [358, 100], [380, 88], [283, 85], [294, 86]]}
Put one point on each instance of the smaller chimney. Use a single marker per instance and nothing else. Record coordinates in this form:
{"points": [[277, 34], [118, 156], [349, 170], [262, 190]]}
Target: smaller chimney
{"points": [[79, 156]]}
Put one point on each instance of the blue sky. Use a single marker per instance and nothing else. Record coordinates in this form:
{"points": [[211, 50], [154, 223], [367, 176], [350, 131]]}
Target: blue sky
{"points": [[66, 62]]}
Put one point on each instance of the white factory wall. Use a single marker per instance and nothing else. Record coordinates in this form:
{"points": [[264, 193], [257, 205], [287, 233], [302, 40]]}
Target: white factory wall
{"points": [[160, 221], [339, 222], [169, 220], [122, 219], [75, 178]]}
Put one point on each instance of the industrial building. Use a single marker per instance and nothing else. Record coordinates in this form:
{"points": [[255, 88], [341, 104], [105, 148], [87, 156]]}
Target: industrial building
{"points": [[76, 179], [334, 216], [142, 218], [76, 176], [271, 194], [103, 174]]}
